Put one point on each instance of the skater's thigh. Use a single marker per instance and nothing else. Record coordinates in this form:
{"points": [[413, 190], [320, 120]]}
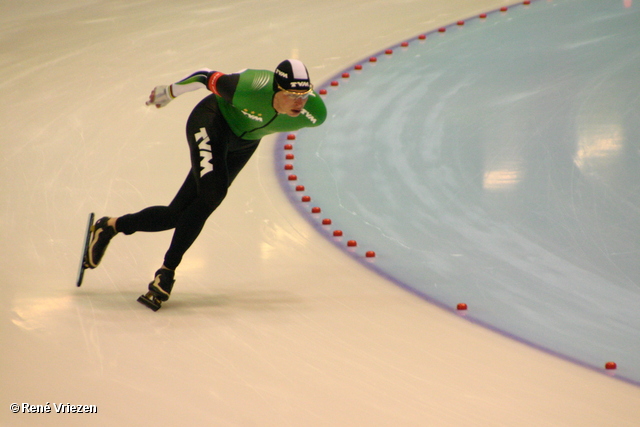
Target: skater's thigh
{"points": [[204, 192], [236, 160], [213, 188], [226, 166], [186, 195]]}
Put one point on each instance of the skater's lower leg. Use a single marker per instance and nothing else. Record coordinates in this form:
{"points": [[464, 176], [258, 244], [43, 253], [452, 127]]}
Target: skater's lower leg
{"points": [[112, 223]]}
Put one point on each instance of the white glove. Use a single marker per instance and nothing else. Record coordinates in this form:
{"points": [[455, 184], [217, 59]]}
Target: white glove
{"points": [[160, 96]]}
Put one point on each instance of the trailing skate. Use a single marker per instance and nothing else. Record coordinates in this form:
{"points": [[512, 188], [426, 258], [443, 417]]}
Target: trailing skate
{"points": [[159, 289], [101, 235], [96, 240]]}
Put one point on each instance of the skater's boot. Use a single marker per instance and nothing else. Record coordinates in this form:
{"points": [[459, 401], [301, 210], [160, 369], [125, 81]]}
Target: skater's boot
{"points": [[162, 284], [100, 238]]}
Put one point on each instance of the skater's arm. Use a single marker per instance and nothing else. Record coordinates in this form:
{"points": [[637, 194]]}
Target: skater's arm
{"points": [[223, 85]]}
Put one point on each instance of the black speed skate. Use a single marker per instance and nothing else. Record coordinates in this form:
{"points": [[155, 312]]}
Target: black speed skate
{"points": [[96, 240], [159, 289], [101, 235]]}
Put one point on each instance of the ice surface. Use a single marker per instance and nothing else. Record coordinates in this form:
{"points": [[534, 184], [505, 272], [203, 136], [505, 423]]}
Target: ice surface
{"points": [[269, 324]]}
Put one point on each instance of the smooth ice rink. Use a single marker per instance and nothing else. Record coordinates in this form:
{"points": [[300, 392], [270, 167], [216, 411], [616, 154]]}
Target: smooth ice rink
{"points": [[495, 175], [270, 324]]}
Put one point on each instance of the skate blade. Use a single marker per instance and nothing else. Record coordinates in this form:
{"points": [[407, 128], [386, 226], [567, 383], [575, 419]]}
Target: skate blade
{"points": [[83, 262], [150, 301]]}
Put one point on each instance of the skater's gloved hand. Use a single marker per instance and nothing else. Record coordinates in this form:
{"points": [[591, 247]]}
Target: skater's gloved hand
{"points": [[160, 96]]}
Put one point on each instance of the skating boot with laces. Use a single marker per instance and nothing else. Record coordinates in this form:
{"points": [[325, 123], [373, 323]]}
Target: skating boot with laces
{"points": [[159, 289]]}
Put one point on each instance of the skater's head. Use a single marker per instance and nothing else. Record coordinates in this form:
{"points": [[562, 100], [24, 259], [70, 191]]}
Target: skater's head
{"points": [[292, 75], [292, 86]]}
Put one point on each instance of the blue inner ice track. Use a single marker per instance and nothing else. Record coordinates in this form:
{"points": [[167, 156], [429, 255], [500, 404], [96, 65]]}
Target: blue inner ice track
{"points": [[497, 164]]}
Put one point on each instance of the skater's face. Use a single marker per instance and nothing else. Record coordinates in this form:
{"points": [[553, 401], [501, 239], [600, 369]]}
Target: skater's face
{"points": [[290, 103]]}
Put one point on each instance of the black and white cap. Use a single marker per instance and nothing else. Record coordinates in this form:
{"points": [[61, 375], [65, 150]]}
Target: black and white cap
{"points": [[291, 74]]}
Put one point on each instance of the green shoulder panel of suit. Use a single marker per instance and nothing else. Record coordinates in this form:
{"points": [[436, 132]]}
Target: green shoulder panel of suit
{"points": [[251, 114]]}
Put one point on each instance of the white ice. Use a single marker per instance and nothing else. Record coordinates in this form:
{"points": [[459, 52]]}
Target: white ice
{"points": [[269, 324]]}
